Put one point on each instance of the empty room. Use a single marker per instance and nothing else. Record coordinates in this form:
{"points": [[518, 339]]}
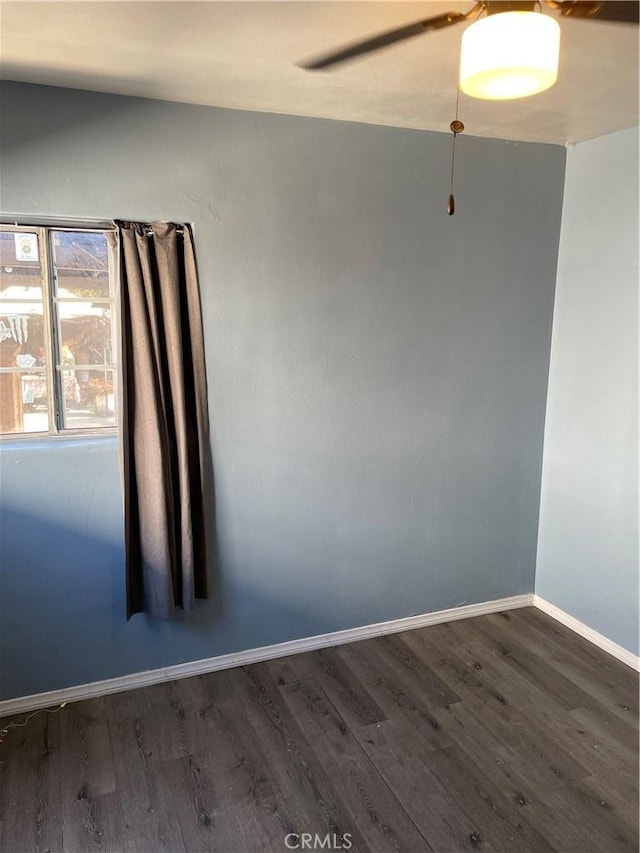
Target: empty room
{"points": [[319, 442]]}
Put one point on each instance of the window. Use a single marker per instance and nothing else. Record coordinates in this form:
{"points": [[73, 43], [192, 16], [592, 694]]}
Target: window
{"points": [[57, 331]]}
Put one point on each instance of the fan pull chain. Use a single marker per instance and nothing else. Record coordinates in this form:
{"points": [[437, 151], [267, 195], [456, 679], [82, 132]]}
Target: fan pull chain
{"points": [[456, 127]]}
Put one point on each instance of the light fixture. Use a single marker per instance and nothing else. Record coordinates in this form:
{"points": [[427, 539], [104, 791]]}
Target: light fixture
{"points": [[509, 54]]}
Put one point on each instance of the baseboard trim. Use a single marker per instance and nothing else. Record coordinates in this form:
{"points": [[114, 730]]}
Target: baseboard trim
{"points": [[183, 670], [588, 633]]}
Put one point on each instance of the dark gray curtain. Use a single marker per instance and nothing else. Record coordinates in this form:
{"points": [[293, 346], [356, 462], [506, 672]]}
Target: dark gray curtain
{"points": [[165, 425]]}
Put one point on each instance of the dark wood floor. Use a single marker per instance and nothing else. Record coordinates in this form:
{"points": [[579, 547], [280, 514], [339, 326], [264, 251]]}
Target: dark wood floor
{"points": [[501, 733]]}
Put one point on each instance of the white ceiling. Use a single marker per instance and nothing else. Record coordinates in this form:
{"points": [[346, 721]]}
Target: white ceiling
{"points": [[243, 55]]}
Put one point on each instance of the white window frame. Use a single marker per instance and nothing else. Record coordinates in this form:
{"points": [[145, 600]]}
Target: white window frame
{"points": [[51, 323]]}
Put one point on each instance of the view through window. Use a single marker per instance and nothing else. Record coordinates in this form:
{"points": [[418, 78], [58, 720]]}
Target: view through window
{"points": [[57, 331]]}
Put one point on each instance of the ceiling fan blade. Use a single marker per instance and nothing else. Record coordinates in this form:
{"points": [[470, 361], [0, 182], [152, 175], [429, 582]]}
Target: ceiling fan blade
{"points": [[619, 11], [391, 37]]}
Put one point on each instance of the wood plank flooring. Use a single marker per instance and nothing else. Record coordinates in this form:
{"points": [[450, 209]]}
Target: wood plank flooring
{"points": [[500, 733]]}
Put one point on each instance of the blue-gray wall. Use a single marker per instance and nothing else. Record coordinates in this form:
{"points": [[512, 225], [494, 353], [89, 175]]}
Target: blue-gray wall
{"points": [[377, 376], [588, 542]]}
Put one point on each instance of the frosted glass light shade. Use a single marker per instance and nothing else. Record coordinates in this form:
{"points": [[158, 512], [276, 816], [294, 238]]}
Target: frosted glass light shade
{"points": [[509, 55]]}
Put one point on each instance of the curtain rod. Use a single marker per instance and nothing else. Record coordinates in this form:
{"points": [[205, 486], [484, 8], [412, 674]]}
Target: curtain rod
{"points": [[53, 221], [47, 222], [149, 231]]}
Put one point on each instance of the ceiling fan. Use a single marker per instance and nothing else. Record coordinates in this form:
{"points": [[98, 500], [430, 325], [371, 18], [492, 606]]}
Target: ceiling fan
{"points": [[510, 51]]}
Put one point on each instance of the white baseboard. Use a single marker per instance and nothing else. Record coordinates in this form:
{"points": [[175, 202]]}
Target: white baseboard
{"points": [[588, 633], [182, 670]]}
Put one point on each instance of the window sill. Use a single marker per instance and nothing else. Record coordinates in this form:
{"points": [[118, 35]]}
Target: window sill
{"points": [[37, 441]]}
